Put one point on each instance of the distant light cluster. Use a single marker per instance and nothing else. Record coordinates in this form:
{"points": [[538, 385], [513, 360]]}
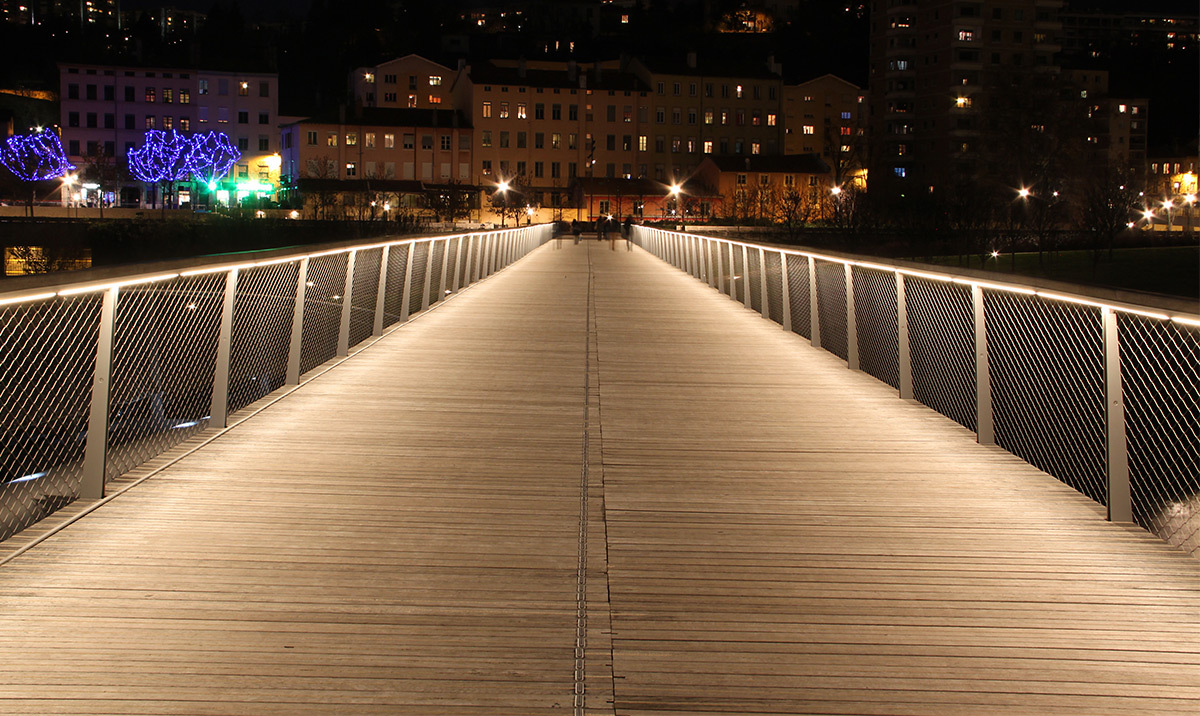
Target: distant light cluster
{"points": [[35, 157], [171, 156]]}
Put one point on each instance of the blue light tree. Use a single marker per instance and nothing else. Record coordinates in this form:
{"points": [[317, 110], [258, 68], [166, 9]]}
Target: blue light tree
{"points": [[212, 156], [35, 157], [163, 159]]}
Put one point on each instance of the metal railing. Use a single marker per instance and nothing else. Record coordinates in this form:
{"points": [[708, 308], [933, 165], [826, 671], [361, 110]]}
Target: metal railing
{"points": [[147, 360], [1103, 395]]}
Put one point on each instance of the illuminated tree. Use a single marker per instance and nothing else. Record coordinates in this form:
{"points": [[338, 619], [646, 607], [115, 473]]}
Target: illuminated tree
{"points": [[35, 157], [211, 156]]}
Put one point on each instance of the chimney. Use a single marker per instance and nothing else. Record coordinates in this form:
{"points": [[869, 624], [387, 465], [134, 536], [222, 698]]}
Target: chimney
{"points": [[462, 64], [582, 80], [691, 60], [521, 68], [572, 71], [775, 68], [596, 68]]}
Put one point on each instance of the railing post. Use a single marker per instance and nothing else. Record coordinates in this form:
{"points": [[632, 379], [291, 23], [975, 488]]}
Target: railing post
{"points": [[814, 312], [746, 300], [381, 292], [95, 449], [406, 295], [903, 354], [219, 407], [732, 293], [786, 293], [708, 263], [293, 365], [983, 378], [719, 273], [441, 294], [467, 275], [764, 294], [343, 346], [851, 322], [1120, 504]]}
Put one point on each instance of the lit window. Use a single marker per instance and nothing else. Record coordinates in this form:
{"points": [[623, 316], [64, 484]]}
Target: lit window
{"points": [[243, 89], [185, 97], [389, 141], [1121, 108], [150, 94], [708, 146], [352, 139], [520, 110], [369, 139], [708, 116], [846, 131], [168, 95], [810, 129], [412, 100], [643, 141], [185, 124], [966, 35], [369, 78], [504, 110], [845, 147], [167, 122], [435, 80], [901, 172], [755, 147], [351, 169], [1083, 94], [771, 120], [487, 109], [624, 19], [331, 140], [434, 99], [739, 91]]}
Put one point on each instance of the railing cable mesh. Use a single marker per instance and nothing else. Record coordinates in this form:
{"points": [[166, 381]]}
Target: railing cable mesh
{"points": [[416, 289], [393, 301], [47, 359], [831, 306], [1046, 361], [942, 343], [436, 259], [322, 309], [366, 291], [164, 350], [262, 330], [1160, 365], [875, 316], [798, 295], [774, 280]]}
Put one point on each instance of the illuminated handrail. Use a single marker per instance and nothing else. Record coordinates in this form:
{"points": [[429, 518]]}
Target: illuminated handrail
{"points": [[149, 357], [1103, 394]]}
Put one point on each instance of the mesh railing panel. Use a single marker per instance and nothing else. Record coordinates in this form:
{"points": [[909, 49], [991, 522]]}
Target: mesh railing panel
{"points": [[1160, 366], [774, 286], [1046, 364], [419, 265], [436, 258], [831, 306], [393, 301], [467, 260], [365, 293], [451, 265], [875, 317], [262, 332], [798, 288], [941, 330], [47, 358], [754, 271], [322, 310], [164, 352], [739, 281]]}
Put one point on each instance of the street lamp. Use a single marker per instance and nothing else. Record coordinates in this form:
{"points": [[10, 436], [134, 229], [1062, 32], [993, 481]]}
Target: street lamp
{"points": [[1023, 193], [502, 188], [836, 190]]}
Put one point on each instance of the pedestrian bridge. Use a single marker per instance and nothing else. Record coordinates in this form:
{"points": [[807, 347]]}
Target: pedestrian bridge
{"points": [[587, 483]]}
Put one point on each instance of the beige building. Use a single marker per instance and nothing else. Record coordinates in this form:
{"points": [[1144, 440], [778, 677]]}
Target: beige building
{"points": [[409, 82], [827, 116]]}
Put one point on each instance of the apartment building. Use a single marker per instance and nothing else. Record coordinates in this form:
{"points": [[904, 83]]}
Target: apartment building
{"points": [[827, 116], [106, 110], [936, 68], [396, 152], [1116, 127], [244, 105], [409, 82]]}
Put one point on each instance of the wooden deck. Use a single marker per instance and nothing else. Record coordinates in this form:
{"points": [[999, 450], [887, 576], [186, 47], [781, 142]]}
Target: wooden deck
{"points": [[591, 484]]}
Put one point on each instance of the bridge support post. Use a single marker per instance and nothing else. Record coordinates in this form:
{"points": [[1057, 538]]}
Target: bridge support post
{"points": [[786, 293], [1120, 504], [95, 450], [293, 366], [851, 322], [903, 353], [764, 294], [814, 313], [219, 408], [381, 292], [343, 345], [985, 427]]}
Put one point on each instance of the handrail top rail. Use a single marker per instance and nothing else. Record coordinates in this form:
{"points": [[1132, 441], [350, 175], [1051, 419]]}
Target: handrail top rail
{"points": [[1151, 305], [65, 283]]}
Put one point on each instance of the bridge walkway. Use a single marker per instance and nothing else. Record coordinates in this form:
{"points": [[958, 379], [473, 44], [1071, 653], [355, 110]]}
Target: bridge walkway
{"points": [[591, 484]]}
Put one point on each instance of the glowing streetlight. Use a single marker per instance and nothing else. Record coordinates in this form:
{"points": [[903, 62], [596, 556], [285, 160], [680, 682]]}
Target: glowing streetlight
{"points": [[502, 187], [836, 190], [995, 254], [1189, 198], [675, 189], [1023, 193]]}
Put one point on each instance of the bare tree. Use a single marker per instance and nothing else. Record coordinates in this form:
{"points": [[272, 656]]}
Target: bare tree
{"points": [[103, 170], [450, 201], [1104, 208]]}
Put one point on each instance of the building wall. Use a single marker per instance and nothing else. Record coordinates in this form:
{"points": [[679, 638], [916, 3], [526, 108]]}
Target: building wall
{"points": [[245, 106], [826, 116], [357, 151], [406, 82]]}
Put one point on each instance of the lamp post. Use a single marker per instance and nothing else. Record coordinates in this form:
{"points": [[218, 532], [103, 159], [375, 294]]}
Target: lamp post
{"points": [[502, 189], [673, 192], [1168, 205]]}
